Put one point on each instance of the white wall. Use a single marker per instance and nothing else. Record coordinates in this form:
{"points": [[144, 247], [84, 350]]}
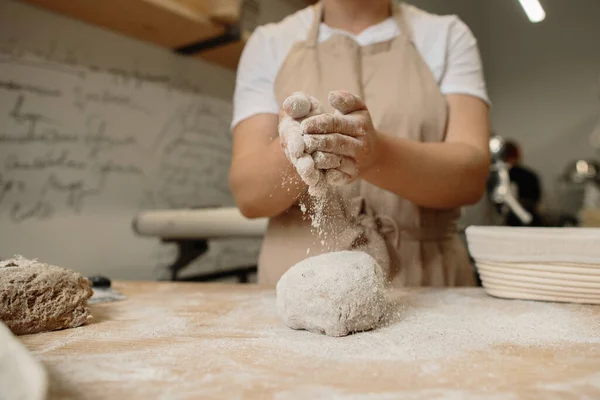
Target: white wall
{"points": [[100, 240]]}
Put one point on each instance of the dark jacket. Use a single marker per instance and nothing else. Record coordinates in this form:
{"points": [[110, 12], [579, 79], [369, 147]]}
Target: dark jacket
{"points": [[530, 193]]}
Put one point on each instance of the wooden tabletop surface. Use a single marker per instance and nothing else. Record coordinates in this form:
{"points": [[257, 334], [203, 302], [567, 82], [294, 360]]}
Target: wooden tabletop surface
{"points": [[209, 341]]}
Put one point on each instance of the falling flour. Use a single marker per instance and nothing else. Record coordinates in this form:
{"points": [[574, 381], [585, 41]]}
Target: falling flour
{"points": [[298, 107], [321, 170]]}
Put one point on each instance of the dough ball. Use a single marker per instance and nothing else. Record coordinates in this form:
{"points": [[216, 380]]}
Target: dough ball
{"points": [[37, 297], [334, 293]]}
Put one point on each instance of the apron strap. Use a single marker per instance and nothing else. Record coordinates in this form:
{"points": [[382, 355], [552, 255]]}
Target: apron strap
{"points": [[358, 210], [313, 33], [400, 18]]}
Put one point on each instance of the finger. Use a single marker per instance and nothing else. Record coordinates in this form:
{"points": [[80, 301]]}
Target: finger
{"points": [[349, 167], [297, 105], [288, 124], [290, 134], [333, 123], [326, 160], [315, 107], [332, 143], [345, 102], [318, 189], [305, 166], [335, 177]]}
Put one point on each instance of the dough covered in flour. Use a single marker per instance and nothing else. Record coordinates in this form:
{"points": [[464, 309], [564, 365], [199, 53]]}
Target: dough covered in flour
{"points": [[37, 297], [334, 293]]}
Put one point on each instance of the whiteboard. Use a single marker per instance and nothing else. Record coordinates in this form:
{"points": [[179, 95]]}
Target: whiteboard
{"points": [[83, 150]]}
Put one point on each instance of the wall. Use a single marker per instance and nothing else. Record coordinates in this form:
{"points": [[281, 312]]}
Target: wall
{"points": [[469, 11], [99, 239], [28, 29], [543, 79]]}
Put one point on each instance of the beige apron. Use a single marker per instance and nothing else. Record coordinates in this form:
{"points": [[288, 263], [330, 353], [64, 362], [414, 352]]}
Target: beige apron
{"points": [[416, 246]]}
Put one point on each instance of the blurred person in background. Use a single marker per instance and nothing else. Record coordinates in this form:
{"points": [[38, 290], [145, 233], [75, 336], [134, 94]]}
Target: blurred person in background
{"points": [[525, 184]]}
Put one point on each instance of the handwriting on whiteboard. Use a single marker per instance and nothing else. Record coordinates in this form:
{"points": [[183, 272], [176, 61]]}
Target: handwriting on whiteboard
{"points": [[74, 140]]}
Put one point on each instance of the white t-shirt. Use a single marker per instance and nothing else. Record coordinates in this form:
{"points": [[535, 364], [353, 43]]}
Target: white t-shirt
{"points": [[446, 44]]}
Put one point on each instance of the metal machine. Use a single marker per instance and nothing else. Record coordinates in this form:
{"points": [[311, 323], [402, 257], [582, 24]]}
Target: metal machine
{"points": [[191, 231], [579, 188], [499, 186], [579, 184]]}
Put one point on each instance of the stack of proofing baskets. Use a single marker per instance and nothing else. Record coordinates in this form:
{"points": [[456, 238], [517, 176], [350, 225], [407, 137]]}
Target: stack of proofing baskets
{"points": [[549, 264]]}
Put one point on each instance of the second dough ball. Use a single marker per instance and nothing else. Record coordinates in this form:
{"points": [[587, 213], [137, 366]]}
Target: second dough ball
{"points": [[334, 293]]}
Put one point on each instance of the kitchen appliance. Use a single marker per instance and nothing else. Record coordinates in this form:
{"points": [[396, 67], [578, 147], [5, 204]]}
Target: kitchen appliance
{"points": [[499, 186], [578, 192], [191, 230]]}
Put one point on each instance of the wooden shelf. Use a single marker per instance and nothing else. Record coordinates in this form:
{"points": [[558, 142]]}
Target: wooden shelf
{"points": [[226, 55], [168, 23]]}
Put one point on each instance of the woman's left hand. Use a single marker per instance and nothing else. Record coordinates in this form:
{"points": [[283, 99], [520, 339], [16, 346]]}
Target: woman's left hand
{"points": [[349, 133]]}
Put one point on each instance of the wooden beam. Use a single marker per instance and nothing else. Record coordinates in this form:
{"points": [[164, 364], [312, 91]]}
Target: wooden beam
{"points": [[227, 55], [173, 24], [167, 23]]}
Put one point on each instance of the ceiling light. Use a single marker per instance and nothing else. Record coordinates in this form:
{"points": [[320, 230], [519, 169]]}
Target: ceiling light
{"points": [[534, 10]]}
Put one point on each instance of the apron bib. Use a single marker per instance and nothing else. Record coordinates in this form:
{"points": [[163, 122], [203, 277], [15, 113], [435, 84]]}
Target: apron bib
{"points": [[416, 246]]}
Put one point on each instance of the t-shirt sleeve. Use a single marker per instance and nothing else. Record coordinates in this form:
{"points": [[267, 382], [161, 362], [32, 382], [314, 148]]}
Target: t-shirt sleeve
{"points": [[464, 70], [254, 88]]}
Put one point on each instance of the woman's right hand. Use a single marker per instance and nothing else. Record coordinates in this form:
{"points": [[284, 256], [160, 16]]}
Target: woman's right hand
{"points": [[296, 108], [310, 166]]}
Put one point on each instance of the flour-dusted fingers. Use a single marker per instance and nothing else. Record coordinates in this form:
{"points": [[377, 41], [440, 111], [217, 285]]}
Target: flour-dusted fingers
{"points": [[345, 102], [290, 134], [336, 177], [315, 107], [297, 105], [346, 173], [348, 166], [326, 160], [349, 131], [335, 143], [305, 166], [352, 124]]}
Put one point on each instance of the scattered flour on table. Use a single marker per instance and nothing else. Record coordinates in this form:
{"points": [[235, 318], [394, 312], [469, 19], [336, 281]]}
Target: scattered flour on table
{"points": [[205, 349], [432, 326]]}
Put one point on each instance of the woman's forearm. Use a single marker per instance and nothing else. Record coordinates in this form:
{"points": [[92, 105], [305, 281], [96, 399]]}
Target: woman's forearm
{"points": [[264, 182], [434, 175]]}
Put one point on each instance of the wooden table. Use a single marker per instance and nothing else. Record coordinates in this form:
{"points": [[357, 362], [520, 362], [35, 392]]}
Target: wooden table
{"points": [[181, 340]]}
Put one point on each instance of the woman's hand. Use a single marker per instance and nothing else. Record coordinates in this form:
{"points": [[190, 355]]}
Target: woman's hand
{"points": [[295, 109], [348, 134], [312, 164]]}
